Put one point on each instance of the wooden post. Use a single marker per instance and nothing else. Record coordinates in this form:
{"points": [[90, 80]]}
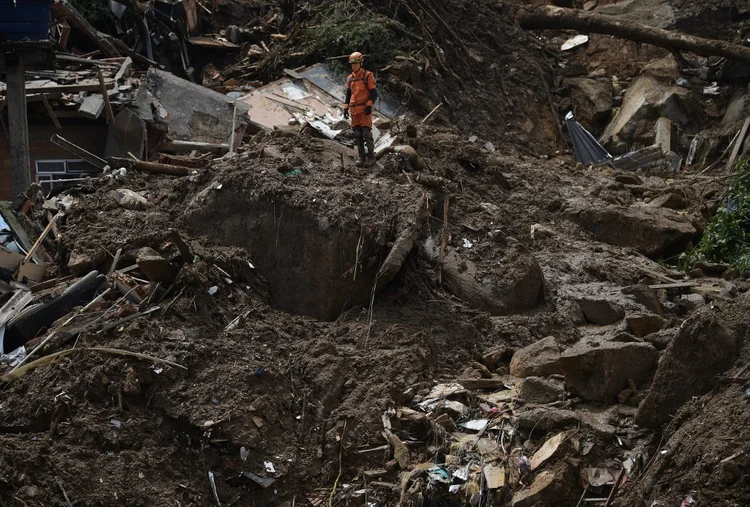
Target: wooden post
{"points": [[18, 128], [107, 105]]}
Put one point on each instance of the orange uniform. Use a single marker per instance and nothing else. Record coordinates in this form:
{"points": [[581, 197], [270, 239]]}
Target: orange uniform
{"points": [[360, 91]]}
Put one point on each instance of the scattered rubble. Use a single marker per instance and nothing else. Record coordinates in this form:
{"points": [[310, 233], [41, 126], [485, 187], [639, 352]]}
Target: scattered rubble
{"points": [[204, 301]]}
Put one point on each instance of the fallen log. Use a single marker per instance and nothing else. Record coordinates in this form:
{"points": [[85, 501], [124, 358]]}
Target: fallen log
{"points": [[402, 247], [150, 167], [545, 17]]}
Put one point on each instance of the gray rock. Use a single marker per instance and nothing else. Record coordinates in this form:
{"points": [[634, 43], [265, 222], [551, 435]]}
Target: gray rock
{"points": [[644, 295], [539, 390], [690, 302], [600, 371], [705, 346], [600, 311], [650, 231], [592, 102], [539, 359], [644, 324]]}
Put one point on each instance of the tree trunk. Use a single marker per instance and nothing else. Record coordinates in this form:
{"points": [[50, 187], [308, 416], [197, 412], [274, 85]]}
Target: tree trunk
{"points": [[556, 18]]}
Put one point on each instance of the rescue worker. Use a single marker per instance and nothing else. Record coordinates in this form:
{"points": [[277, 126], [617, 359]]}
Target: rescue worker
{"points": [[361, 94]]}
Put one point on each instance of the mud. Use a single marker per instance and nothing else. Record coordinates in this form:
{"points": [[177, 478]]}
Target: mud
{"points": [[293, 358]]}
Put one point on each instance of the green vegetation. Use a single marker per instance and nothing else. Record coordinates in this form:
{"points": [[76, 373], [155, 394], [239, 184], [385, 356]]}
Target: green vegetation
{"points": [[96, 12], [726, 237], [349, 26]]}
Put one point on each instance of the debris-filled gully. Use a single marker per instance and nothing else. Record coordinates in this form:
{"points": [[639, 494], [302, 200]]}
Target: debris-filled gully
{"points": [[537, 295]]}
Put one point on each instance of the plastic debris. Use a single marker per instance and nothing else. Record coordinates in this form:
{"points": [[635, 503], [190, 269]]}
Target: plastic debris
{"points": [[574, 42], [263, 482], [454, 488], [467, 243], [269, 467], [295, 172], [462, 474], [244, 453], [712, 90], [439, 474], [213, 290], [476, 424], [117, 424], [681, 81], [524, 464], [687, 501], [212, 480], [747, 391]]}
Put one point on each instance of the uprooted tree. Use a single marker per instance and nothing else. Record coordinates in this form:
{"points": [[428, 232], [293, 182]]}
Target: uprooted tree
{"points": [[556, 18]]}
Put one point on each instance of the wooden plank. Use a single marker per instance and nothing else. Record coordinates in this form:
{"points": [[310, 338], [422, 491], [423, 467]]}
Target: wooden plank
{"points": [[33, 272], [657, 276], [738, 144], [88, 85], [107, 104], [18, 129], [676, 285], [50, 112], [481, 383], [67, 12], [124, 69], [78, 151], [15, 304], [41, 237], [19, 233]]}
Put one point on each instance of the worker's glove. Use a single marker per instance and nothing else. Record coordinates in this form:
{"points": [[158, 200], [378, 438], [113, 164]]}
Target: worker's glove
{"points": [[346, 114], [368, 110]]}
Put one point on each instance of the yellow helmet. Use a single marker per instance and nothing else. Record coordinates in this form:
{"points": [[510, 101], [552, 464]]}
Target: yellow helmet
{"points": [[356, 57]]}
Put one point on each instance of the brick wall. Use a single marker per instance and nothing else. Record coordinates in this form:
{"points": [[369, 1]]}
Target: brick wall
{"points": [[92, 137]]}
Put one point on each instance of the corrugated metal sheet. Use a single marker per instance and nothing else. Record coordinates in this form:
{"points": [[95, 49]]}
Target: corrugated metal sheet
{"points": [[24, 19], [586, 148]]}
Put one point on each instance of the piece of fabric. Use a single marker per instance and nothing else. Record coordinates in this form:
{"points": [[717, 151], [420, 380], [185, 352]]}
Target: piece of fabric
{"points": [[362, 120]]}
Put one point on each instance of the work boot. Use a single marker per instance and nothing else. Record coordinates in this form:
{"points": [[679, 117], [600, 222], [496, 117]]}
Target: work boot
{"points": [[360, 148], [370, 148]]}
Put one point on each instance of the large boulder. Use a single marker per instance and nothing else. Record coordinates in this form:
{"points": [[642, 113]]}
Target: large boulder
{"points": [[650, 231], [592, 102], [511, 284], [601, 312], [644, 324], [598, 371], [645, 296], [540, 390], [539, 359], [706, 346], [550, 487], [646, 100]]}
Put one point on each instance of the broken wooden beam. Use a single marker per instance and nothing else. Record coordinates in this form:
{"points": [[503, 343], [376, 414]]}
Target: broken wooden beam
{"points": [[15, 304], [676, 285], [41, 237], [738, 144], [87, 85], [78, 151], [63, 10], [481, 383], [151, 167], [546, 17], [50, 112], [105, 96], [188, 146]]}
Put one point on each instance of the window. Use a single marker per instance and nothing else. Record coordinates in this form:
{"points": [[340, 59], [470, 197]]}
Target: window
{"points": [[53, 171]]}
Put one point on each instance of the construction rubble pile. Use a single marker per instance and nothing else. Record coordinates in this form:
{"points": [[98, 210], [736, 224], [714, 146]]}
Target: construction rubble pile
{"points": [[515, 306]]}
